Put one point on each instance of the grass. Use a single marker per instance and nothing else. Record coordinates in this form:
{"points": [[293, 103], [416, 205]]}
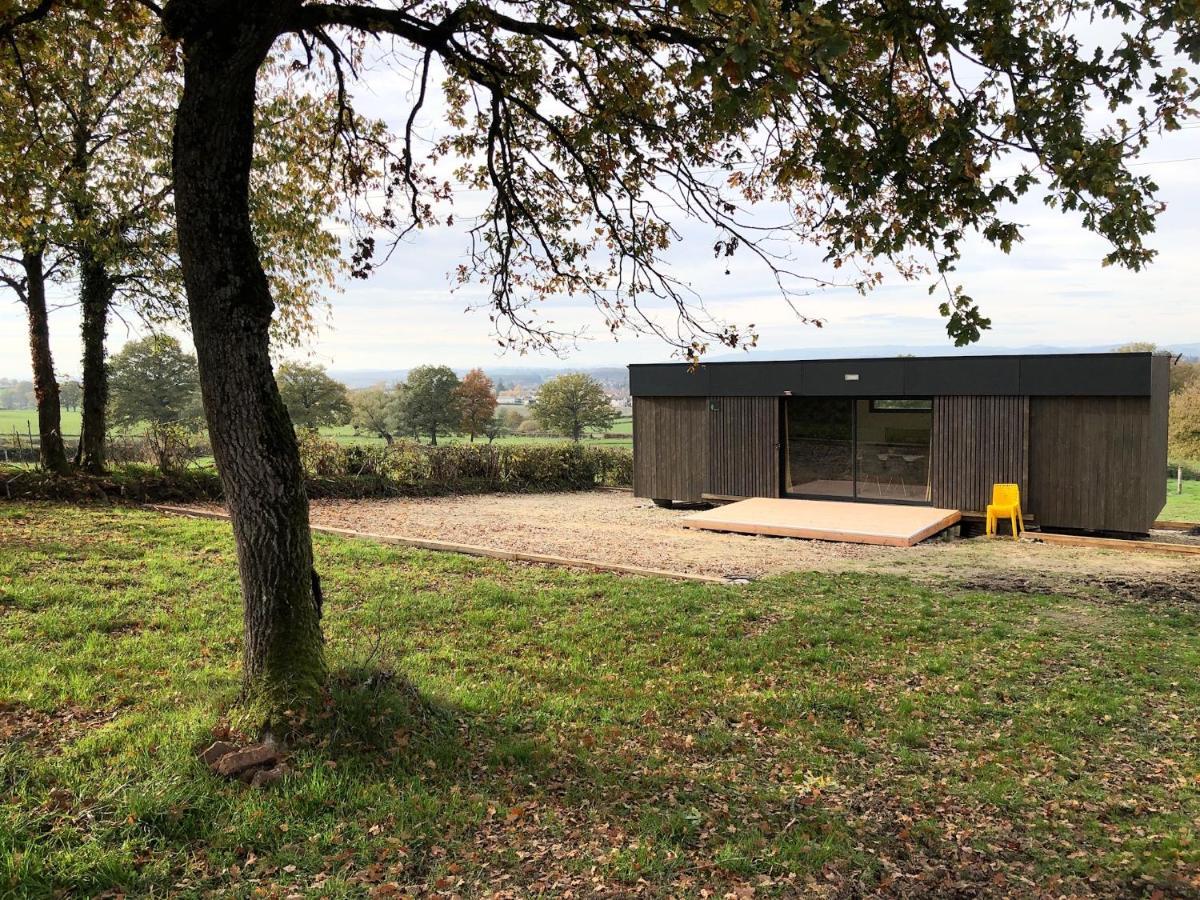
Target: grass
{"points": [[24, 420], [1183, 507], [548, 730]]}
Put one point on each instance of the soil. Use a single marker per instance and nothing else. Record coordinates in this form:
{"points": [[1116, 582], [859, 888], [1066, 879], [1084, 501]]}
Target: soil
{"points": [[615, 527]]}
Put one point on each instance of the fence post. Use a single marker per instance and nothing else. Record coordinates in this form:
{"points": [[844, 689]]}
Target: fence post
{"points": [[1179, 479]]}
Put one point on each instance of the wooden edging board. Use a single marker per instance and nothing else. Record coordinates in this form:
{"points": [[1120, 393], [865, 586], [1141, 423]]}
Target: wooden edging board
{"points": [[1174, 526], [466, 549], [1078, 540]]}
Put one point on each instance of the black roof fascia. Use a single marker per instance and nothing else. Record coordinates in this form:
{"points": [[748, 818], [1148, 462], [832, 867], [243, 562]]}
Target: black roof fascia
{"points": [[1034, 375]]}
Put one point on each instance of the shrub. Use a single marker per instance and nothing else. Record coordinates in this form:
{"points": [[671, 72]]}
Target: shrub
{"points": [[406, 468]]}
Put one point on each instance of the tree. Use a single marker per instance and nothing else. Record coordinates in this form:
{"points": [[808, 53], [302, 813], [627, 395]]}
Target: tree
{"points": [[155, 384], [69, 393], [571, 403], [1185, 424], [27, 257], [476, 403], [431, 401], [98, 92], [493, 428], [377, 411], [313, 399], [573, 113]]}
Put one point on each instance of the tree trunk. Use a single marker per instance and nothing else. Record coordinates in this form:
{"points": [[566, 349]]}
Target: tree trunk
{"points": [[432, 437], [230, 305], [95, 296], [52, 453]]}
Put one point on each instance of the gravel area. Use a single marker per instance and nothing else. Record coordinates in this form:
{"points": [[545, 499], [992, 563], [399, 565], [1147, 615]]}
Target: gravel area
{"points": [[616, 527]]}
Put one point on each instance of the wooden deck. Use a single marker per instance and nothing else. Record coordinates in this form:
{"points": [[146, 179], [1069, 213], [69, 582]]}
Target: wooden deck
{"points": [[892, 525]]}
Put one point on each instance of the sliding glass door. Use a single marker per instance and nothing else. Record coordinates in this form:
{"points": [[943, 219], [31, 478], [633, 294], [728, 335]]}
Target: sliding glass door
{"points": [[862, 449], [820, 446]]}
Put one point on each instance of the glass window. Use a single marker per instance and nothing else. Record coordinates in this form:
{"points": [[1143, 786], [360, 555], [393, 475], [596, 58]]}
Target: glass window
{"points": [[892, 449], [820, 446]]}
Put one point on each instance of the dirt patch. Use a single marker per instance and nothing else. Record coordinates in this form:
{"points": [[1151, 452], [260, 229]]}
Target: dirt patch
{"points": [[1183, 588], [616, 528], [47, 731]]}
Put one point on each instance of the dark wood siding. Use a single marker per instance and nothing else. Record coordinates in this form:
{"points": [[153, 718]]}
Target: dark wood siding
{"points": [[978, 442], [743, 450], [670, 447], [1160, 402], [1096, 462]]}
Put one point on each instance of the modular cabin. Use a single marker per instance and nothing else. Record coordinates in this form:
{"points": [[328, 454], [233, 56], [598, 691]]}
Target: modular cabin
{"points": [[1084, 435]]}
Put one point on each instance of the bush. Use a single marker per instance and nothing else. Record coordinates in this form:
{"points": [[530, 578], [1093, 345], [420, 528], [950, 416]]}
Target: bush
{"points": [[409, 469], [170, 447], [131, 483], [404, 469]]}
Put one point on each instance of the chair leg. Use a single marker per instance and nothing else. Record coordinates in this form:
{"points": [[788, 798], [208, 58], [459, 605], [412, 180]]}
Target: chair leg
{"points": [[990, 526], [1016, 534]]}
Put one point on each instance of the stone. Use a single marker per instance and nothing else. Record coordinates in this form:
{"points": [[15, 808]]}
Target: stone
{"points": [[216, 751], [266, 777], [247, 758]]}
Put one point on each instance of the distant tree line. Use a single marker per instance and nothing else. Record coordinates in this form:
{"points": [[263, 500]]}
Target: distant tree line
{"points": [[433, 402]]}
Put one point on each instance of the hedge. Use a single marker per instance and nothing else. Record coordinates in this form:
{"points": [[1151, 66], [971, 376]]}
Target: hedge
{"points": [[409, 469], [404, 469]]}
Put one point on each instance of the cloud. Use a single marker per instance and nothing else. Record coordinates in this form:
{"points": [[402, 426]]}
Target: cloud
{"points": [[1051, 289]]}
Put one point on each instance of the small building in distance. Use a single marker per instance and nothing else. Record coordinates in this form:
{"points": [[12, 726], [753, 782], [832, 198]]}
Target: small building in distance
{"points": [[1084, 435]]}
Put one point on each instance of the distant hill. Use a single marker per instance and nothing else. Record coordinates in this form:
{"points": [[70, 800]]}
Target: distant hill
{"points": [[527, 376]]}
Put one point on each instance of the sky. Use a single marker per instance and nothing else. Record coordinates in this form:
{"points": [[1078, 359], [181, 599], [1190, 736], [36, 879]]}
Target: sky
{"points": [[1051, 289]]}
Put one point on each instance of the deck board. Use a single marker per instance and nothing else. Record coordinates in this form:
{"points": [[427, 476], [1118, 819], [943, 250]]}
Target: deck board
{"points": [[888, 524]]}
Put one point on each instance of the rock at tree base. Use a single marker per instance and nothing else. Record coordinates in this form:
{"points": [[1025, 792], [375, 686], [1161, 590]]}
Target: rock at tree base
{"points": [[266, 777], [216, 751], [240, 760]]}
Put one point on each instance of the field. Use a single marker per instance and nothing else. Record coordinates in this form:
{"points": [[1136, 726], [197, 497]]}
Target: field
{"points": [[1183, 507], [496, 727], [25, 419]]}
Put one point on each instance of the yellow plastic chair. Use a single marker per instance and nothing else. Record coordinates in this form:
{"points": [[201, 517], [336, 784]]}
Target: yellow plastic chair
{"points": [[1006, 503]]}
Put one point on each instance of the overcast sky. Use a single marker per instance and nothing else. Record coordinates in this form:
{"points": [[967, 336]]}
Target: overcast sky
{"points": [[1050, 290]]}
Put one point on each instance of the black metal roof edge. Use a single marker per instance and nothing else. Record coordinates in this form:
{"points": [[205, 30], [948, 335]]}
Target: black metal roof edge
{"points": [[960, 356], [1040, 374]]}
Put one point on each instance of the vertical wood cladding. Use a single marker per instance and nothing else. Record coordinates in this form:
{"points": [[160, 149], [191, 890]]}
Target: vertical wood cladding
{"points": [[670, 447], [743, 452], [978, 442], [1098, 463], [1160, 401]]}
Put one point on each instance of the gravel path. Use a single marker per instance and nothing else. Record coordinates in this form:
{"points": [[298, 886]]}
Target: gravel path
{"points": [[615, 527]]}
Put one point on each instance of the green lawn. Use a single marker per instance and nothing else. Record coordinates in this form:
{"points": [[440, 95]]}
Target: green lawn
{"points": [[1183, 507], [548, 730]]}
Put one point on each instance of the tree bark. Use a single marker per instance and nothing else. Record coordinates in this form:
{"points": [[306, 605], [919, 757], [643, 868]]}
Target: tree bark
{"points": [[95, 296], [52, 452], [230, 307]]}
